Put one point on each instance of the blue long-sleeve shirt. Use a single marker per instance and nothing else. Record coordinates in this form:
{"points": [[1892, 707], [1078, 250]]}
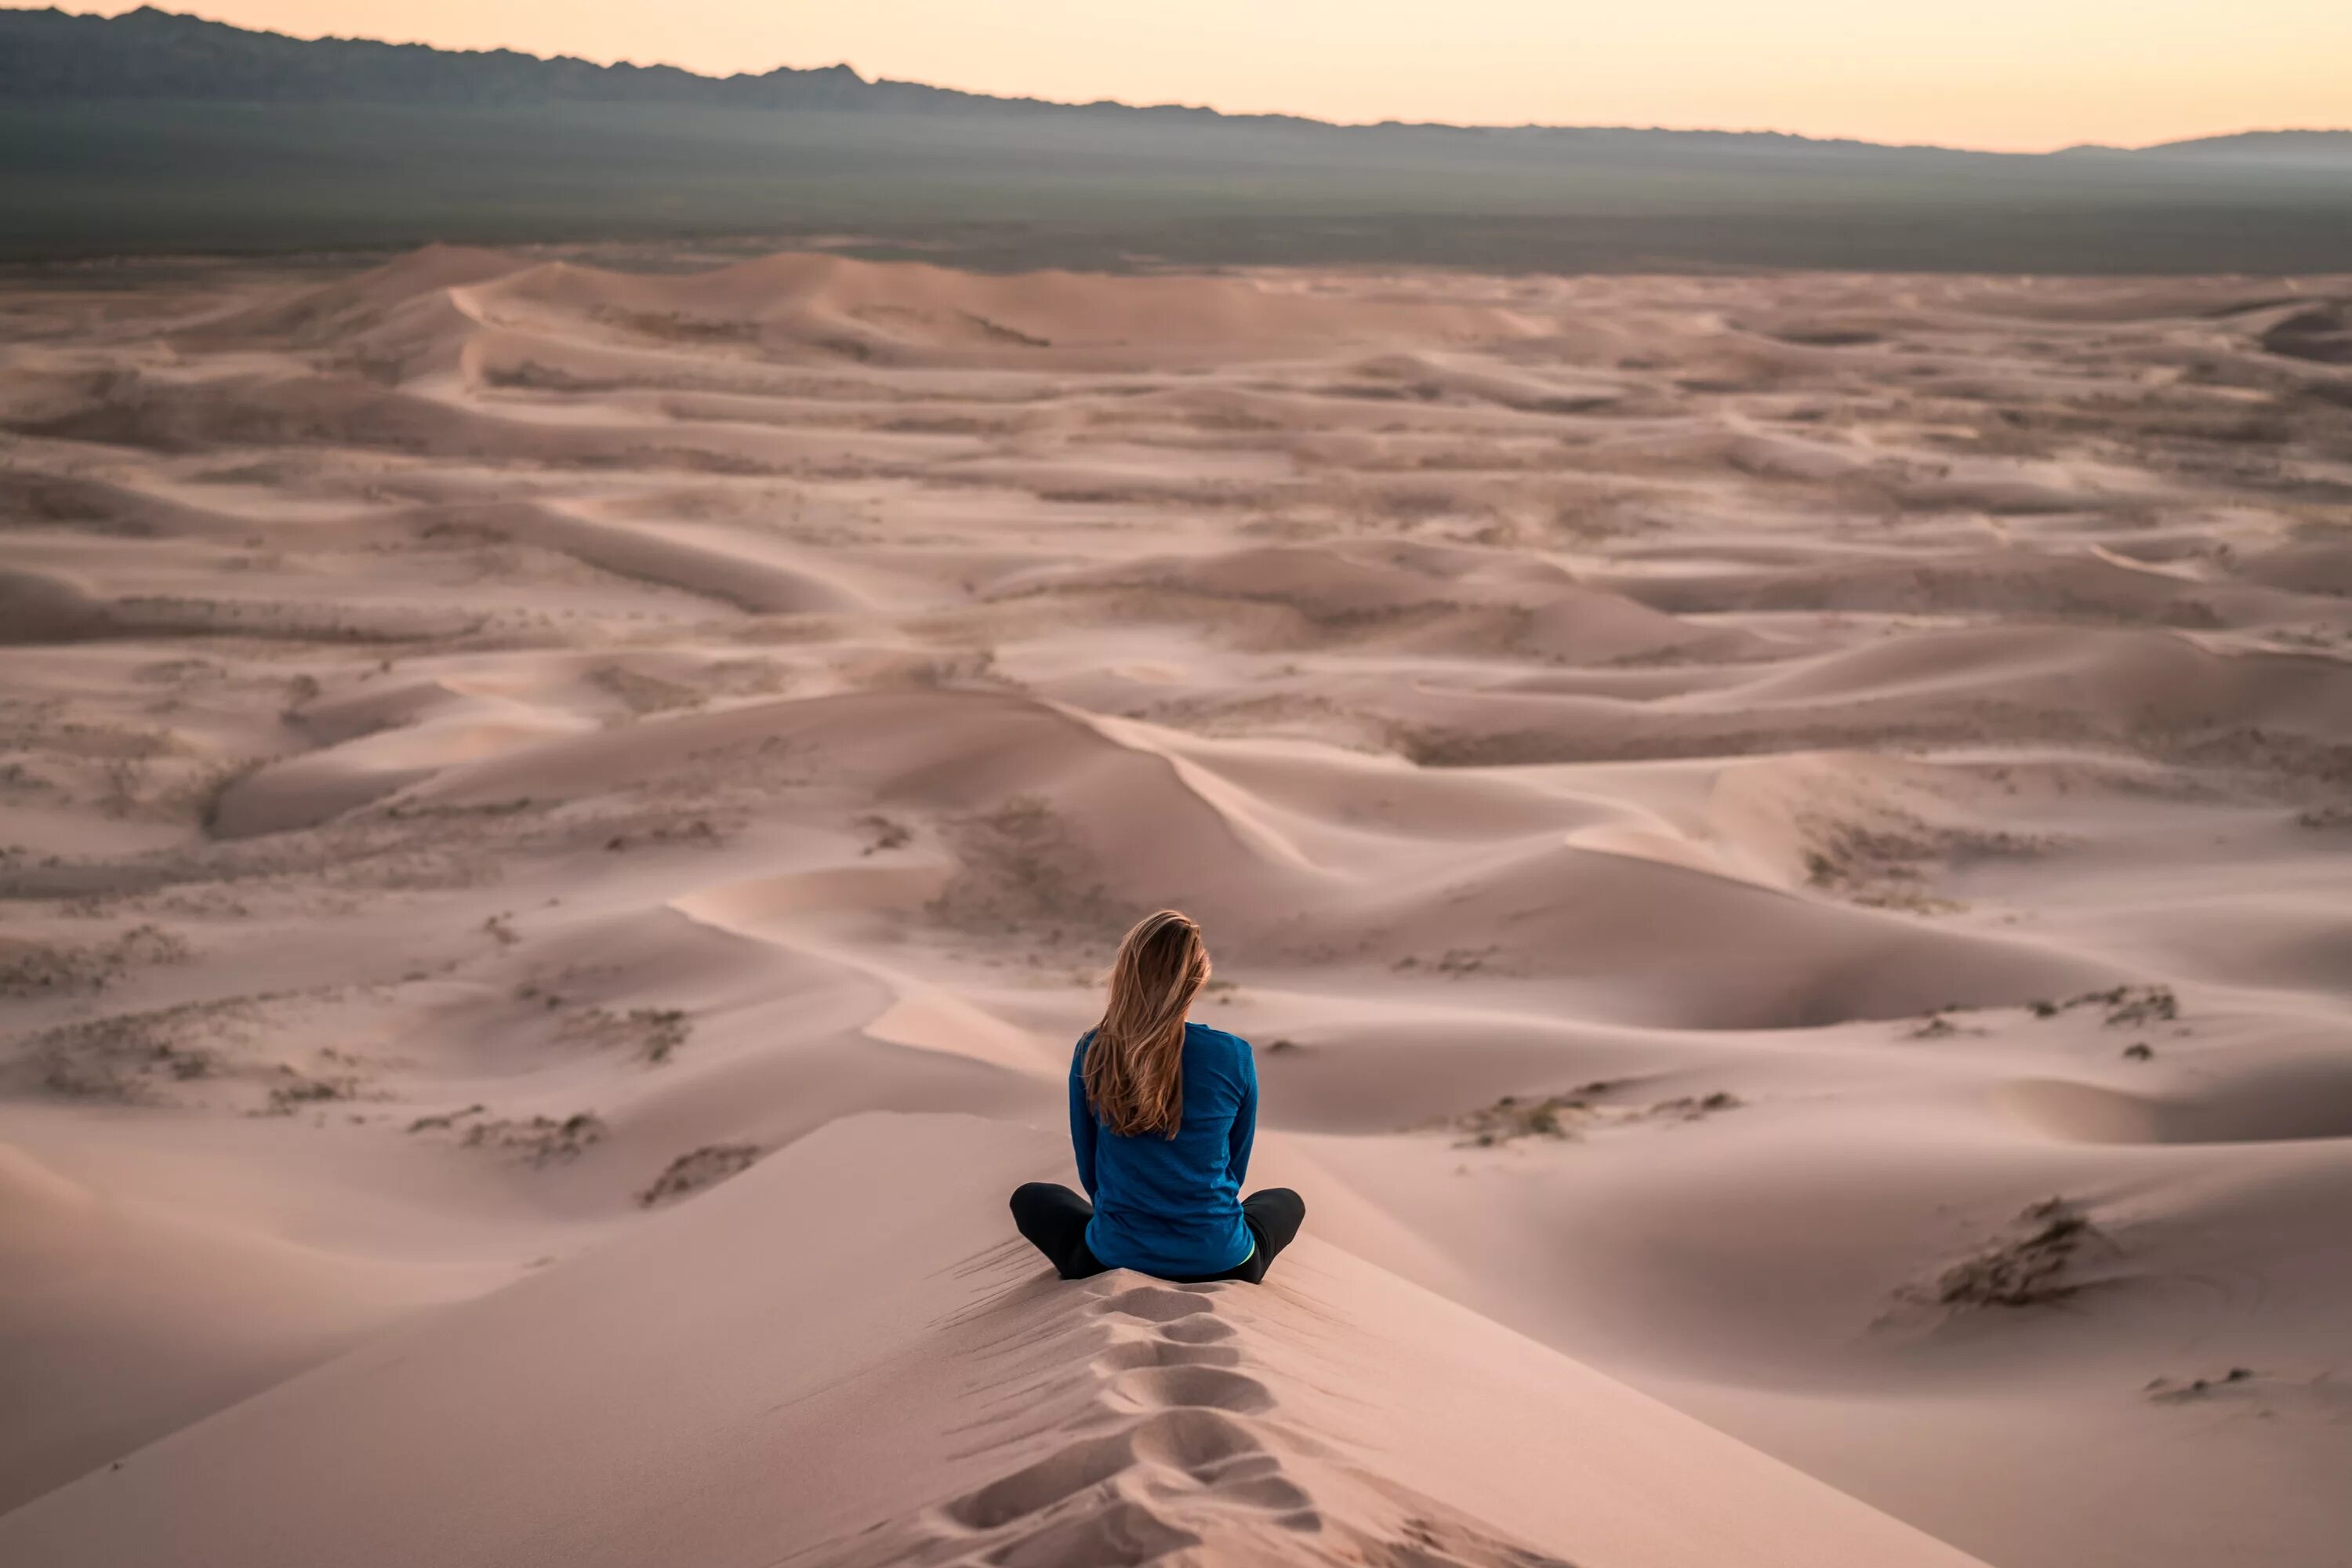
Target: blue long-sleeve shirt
{"points": [[1171, 1206]]}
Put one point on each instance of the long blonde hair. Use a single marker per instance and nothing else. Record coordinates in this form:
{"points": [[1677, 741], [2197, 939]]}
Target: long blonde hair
{"points": [[1135, 1065]]}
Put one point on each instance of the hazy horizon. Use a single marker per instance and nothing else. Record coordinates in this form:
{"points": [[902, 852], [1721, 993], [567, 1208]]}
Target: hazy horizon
{"points": [[2014, 77]]}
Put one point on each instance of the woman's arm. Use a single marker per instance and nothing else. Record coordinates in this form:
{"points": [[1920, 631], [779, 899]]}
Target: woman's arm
{"points": [[1245, 1119], [1082, 1123]]}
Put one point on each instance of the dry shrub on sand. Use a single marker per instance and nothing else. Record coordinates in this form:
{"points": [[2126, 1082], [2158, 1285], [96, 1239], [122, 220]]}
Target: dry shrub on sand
{"points": [[298, 1089], [1562, 1116], [1511, 1118], [705, 1167], [43, 969], [122, 1058], [536, 1140], [655, 1032], [1023, 871], [2031, 1268], [2124, 1006], [2164, 1390]]}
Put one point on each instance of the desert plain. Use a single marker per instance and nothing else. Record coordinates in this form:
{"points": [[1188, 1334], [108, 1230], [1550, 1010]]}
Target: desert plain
{"points": [[1784, 843]]}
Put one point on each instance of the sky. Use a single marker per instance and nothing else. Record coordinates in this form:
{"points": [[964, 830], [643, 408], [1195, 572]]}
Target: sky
{"points": [[2005, 74]]}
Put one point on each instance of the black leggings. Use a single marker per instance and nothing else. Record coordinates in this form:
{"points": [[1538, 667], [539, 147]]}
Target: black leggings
{"points": [[1055, 1218]]}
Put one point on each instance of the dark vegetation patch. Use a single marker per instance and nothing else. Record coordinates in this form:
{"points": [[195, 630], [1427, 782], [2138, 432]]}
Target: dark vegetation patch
{"points": [[2164, 1390], [653, 1032], [1692, 1107], [1022, 871], [1453, 963], [695, 830], [539, 1140], [676, 326], [1886, 865], [2124, 1006], [534, 1140], [1512, 1118], [705, 1167], [404, 811], [126, 1057], [529, 375], [296, 1089], [2031, 1267], [1829, 338], [1561, 1117], [40, 969]]}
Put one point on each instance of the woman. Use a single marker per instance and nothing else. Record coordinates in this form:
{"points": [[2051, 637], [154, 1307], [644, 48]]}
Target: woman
{"points": [[1161, 1115]]}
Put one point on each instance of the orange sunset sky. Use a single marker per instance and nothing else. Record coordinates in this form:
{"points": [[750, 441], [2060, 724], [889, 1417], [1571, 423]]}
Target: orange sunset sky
{"points": [[2014, 75]]}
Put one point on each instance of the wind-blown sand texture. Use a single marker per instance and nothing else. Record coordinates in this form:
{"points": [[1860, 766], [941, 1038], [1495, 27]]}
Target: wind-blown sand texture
{"points": [[1783, 843]]}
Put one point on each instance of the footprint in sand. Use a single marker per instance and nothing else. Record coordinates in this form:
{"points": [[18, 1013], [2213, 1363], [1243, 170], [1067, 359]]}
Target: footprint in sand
{"points": [[1180, 1465], [1194, 1388], [1157, 1303], [1180, 1451]]}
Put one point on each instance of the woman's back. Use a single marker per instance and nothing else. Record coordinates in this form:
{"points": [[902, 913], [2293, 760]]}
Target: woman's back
{"points": [[1162, 1114], [1171, 1206]]}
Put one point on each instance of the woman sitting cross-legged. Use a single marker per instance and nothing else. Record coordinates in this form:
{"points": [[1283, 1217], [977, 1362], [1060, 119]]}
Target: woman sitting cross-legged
{"points": [[1161, 1115]]}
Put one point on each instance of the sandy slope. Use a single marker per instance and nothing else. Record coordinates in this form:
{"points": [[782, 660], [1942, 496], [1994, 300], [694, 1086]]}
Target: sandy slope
{"points": [[1784, 838], [835, 1362]]}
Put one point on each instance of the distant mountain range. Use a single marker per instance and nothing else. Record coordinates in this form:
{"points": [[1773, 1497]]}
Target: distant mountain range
{"points": [[152, 54], [158, 132], [2269, 146]]}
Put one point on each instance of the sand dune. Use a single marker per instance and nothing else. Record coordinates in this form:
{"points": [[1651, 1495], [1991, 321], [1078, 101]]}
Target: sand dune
{"points": [[146, 1322], [1783, 843], [903, 313], [939, 1396]]}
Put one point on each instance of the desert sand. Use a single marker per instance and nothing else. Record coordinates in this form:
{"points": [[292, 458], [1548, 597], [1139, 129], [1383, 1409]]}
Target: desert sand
{"points": [[1785, 844]]}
